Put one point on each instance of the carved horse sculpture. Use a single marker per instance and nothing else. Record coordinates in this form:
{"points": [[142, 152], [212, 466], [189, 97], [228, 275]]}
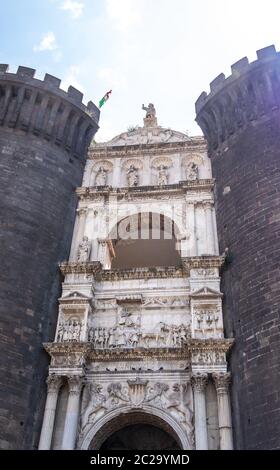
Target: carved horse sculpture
{"points": [[158, 334]]}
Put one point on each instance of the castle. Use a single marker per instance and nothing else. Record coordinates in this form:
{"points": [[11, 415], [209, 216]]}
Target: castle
{"points": [[140, 276]]}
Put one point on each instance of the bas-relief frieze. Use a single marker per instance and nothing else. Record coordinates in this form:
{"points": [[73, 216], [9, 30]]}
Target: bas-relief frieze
{"points": [[129, 333], [175, 398]]}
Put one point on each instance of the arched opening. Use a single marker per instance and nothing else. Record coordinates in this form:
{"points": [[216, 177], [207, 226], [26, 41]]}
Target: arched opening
{"points": [[140, 437], [136, 431], [146, 240]]}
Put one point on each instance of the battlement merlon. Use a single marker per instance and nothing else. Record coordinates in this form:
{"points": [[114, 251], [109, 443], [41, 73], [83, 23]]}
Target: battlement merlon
{"points": [[42, 108], [238, 69], [50, 83]]}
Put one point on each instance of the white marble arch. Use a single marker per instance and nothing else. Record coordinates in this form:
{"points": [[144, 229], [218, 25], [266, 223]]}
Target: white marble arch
{"points": [[176, 221], [86, 439]]}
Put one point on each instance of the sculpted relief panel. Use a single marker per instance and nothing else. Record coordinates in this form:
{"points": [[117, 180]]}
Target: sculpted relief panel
{"points": [[128, 332], [173, 398]]}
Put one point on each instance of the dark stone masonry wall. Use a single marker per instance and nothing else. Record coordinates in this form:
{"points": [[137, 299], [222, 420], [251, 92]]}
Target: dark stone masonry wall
{"points": [[241, 122], [44, 136]]}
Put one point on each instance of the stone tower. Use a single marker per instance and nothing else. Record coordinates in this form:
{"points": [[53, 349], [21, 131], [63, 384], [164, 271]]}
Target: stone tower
{"points": [[240, 119], [139, 356], [44, 136]]}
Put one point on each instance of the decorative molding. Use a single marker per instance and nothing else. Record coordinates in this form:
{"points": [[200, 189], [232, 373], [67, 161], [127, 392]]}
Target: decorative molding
{"points": [[153, 191], [137, 354], [106, 164], [195, 145], [74, 267], [202, 262], [54, 383], [75, 383], [140, 273], [205, 293], [135, 162], [222, 381], [161, 161], [199, 381]]}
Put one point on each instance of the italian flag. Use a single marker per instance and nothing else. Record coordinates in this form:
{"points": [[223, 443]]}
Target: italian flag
{"points": [[105, 98]]}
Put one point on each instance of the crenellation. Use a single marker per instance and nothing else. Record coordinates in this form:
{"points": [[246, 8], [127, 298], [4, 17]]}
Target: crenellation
{"points": [[241, 124], [75, 95], [25, 72], [52, 81], [4, 68], [36, 190], [217, 83]]}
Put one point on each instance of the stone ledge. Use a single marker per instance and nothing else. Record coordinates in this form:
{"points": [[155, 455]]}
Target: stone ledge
{"points": [[182, 187]]}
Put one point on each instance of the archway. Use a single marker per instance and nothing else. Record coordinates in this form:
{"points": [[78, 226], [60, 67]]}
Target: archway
{"points": [[146, 239], [140, 437], [105, 431]]}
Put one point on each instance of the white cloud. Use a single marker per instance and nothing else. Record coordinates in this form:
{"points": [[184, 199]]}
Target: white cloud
{"points": [[48, 43], [72, 78], [75, 8], [124, 14]]}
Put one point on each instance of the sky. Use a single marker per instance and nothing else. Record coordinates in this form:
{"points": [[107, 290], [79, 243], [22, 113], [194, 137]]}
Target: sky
{"points": [[161, 51]]}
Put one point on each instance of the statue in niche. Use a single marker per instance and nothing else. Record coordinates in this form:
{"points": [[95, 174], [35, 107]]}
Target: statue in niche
{"points": [[192, 172], [162, 175], [101, 177], [150, 110], [132, 176], [84, 250]]}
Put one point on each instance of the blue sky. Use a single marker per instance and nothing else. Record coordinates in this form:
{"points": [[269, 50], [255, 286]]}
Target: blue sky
{"points": [[160, 51]]}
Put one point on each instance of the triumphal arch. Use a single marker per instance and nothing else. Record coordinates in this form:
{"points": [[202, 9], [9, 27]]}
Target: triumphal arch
{"points": [[139, 360]]}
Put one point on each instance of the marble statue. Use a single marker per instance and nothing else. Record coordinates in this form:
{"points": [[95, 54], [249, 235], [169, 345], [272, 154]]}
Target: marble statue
{"points": [[150, 110], [162, 175], [101, 177], [132, 176], [84, 250], [192, 172]]}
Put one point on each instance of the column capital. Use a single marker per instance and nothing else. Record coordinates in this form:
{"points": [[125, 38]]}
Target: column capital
{"points": [[222, 381], [54, 383], [208, 204], [199, 381], [75, 383]]}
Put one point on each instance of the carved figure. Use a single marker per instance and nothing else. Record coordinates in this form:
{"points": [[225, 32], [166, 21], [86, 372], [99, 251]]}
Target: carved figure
{"points": [[192, 171], [116, 393], [101, 177], [96, 403], [84, 250], [162, 175], [156, 393], [132, 176], [150, 110]]}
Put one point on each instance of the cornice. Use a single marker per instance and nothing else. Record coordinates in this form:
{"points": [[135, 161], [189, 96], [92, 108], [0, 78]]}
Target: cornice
{"points": [[87, 350], [196, 144], [182, 187], [66, 348], [74, 267], [95, 268], [219, 344], [140, 273], [202, 262], [138, 353]]}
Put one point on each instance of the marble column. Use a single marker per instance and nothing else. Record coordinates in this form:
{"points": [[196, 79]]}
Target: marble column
{"points": [[199, 382], [78, 233], [54, 383], [190, 217], [72, 413], [222, 381], [116, 179], [209, 227]]}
